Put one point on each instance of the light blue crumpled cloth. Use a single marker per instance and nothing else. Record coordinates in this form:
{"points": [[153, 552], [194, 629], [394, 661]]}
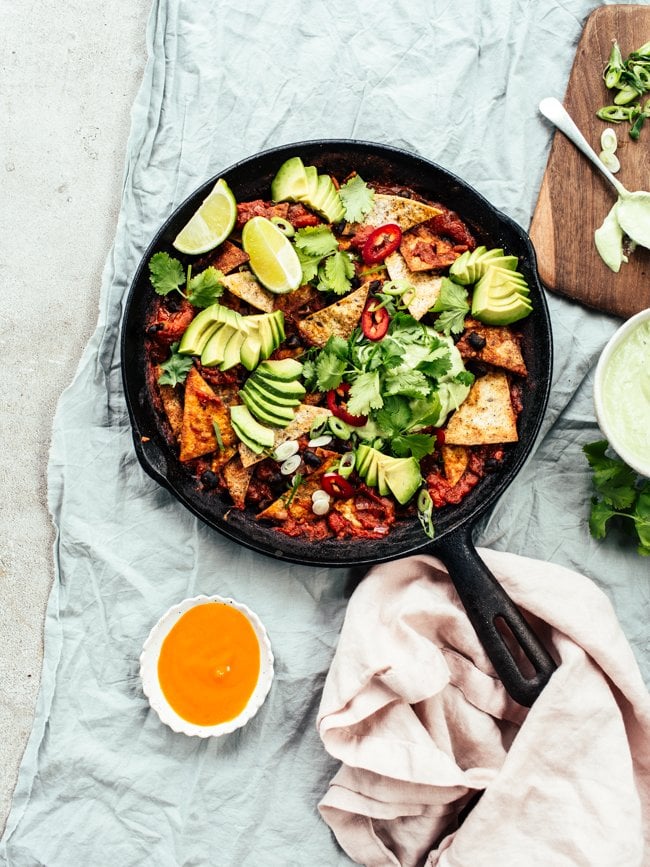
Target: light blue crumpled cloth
{"points": [[103, 782]]}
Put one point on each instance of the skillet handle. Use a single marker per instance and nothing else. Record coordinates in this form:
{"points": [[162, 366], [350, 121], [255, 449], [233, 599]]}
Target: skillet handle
{"points": [[487, 604]]}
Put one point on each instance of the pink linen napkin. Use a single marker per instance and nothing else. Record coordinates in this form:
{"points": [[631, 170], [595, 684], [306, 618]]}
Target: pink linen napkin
{"points": [[441, 767]]}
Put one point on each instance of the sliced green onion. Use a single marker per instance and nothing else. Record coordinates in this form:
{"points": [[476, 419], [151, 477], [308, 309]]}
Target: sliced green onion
{"points": [[318, 427], [614, 113], [323, 440], [425, 512], [284, 226], [610, 160], [346, 464], [614, 68], [286, 450], [608, 140], [339, 428], [626, 95], [217, 433], [635, 129]]}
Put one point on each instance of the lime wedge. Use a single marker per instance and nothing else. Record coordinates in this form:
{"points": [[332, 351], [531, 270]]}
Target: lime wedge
{"points": [[273, 259], [211, 224]]}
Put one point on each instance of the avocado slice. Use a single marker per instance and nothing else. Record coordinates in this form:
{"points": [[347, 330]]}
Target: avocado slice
{"points": [[255, 435], [277, 388], [251, 350], [363, 459], [259, 389], [290, 183], [200, 329], [327, 202], [372, 470], [312, 184], [284, 369], [470, 267], [267, 336], [214, 350], [232, 350], [267, 413], [498, 301], [382, 483], [403, 477]]}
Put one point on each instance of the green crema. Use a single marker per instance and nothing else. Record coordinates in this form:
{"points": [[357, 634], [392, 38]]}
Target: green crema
{"points": [[626, 394]]}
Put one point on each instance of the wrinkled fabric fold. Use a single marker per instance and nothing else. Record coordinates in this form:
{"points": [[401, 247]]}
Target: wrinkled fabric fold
{"points": [[439, 766]]}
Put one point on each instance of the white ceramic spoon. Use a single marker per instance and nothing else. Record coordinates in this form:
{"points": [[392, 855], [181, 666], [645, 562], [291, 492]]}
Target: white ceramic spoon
{"points": [[633, 210]]}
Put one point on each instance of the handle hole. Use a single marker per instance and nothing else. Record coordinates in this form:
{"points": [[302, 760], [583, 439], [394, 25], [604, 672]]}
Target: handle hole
{"points": [[525, 666]]}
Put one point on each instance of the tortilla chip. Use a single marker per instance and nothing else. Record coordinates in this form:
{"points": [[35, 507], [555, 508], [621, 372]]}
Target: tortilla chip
{"points": [[228, 257], [242, 284], [237, 478], [406, 213], [486, 415], [427, 286], [424, 250], [299, 507], [201, 410], [221, 457], [304, 418], [501, 346], [455, 459], [340, 318], [172, 405]]}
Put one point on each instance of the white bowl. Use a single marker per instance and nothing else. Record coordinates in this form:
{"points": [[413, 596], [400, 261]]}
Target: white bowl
{"points": [[151, 683], [630, 402]]}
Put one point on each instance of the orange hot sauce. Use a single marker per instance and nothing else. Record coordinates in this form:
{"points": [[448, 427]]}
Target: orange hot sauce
{"points": [[209, 664]]}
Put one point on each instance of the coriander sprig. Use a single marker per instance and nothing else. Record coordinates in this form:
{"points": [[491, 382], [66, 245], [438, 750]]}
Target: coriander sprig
{"points": [[167, 275], [620, 494]]}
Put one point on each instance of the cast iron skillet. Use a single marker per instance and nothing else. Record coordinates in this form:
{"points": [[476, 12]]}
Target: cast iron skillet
{"points": [[494, 616]]}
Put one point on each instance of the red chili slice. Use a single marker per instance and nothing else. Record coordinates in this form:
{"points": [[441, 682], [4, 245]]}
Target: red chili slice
{"points": [[375, 319], [337, 404], [337, 486], [381, 243]]}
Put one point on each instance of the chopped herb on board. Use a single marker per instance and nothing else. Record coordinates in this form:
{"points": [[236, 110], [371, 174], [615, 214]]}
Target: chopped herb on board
{"points": [[631, 80], [620, 495]]}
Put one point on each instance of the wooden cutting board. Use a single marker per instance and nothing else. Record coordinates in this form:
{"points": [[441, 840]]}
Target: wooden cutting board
{"points": [[574, 198]]}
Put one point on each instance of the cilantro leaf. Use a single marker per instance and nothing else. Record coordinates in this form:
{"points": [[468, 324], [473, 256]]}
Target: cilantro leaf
{"points": [[613, 479], [316, 241], [620, 494], [365, 394], [417, 445], [166, 273], [309, 265], [395, 415], [598, 518], [642, 520], [206, 287], [357, 198], [175, 369], [453, 306], [329, 370], [337, 345], [335, 273], [412, 383]]}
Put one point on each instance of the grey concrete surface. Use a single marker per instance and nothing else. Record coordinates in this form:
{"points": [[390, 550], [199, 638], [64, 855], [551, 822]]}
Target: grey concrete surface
{"points": [[69, 73]]}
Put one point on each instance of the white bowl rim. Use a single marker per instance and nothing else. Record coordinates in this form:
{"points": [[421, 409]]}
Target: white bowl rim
{"points": [[149, 669], [612, 344]]}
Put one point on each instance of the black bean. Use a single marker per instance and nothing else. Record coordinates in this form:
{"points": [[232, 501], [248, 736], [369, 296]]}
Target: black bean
{"points": [[476, 341], [492, 464], [477, 368], [292, 341], [209, 479], [311, 458], [155, 328]]}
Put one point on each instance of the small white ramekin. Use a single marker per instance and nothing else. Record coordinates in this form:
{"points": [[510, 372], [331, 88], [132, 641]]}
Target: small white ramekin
{"points": [[151, 684], [642, 467]]}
